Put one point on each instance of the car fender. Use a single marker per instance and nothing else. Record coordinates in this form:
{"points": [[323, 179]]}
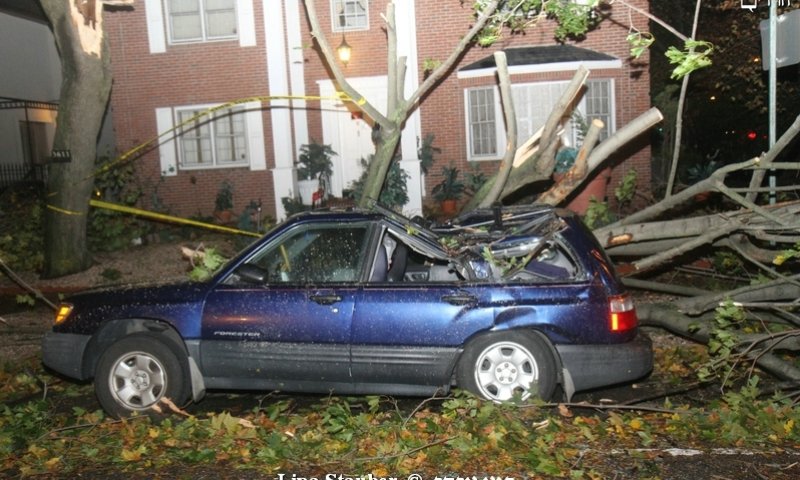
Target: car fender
{"points": [[527, 316], [563, 379], [114, 330]]}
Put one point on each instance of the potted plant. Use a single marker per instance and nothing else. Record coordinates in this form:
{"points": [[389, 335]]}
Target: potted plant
{"points": [[313, 162], [699, 172], [565, 159], [449, 190], [223, 204]]}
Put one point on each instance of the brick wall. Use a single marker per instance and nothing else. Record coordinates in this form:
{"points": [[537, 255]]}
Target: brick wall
{"points": [[443, 111], [216, 72], [191, 74]]}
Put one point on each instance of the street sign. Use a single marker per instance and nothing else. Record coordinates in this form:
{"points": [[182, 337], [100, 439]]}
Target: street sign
{"points": [[788, 36]]}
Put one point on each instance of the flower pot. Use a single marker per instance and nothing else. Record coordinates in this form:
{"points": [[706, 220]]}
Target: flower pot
{"points": [[595, 188], [307, 188], [449, 207], [224, 217]]}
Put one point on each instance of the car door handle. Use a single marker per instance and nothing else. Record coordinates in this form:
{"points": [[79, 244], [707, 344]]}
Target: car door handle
{"points": [[460, 299], [326, 299]]}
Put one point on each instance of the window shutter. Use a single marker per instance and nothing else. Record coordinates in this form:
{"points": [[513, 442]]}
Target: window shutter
{"points": [[247, 25], [156, 35], [166, 149], [255, 136]]}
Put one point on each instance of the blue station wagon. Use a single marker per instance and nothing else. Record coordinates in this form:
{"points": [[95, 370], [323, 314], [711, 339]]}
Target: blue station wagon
{"points": [[506, 303]]}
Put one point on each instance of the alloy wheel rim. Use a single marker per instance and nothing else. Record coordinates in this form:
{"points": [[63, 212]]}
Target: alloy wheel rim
{"points": [[505, 370], [137, 381]]}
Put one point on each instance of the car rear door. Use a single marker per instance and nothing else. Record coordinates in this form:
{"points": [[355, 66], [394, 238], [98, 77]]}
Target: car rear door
{"points": [[408, 332], [294, 330]]}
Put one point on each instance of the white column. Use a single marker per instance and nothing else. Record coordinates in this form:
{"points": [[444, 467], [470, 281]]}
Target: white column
{"points": [[405, 15], [297, 71], [277, 61]]}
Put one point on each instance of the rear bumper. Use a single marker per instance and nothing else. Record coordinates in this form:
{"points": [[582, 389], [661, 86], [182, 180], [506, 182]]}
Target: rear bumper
{"points": [[592, 366], [63, 352]]}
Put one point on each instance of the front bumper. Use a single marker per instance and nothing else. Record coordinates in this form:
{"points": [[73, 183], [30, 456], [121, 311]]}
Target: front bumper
{"points": [[592, 366], [64, 352]]}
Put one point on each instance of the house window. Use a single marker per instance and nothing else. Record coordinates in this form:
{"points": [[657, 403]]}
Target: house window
{"points": [[482, 123], [533, 103], [598, 103], [209, 141], [201, 20], [349, 15]]}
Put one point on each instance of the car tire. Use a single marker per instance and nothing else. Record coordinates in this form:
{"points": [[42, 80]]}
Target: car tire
{"points": [[507, 365], [136, 372]]}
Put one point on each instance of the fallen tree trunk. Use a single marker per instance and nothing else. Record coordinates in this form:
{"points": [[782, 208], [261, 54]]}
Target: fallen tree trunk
{"points": [[600, 154], [699, 329], [656, 241], [511, 131], [716, 181]]}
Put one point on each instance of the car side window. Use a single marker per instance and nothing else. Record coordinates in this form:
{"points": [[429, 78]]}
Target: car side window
{"points": [[552, 263], [315, 254], [396, 261]]}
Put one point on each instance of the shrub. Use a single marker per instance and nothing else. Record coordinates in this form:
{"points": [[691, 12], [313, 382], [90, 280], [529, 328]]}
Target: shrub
{"points": [[22, 228]]}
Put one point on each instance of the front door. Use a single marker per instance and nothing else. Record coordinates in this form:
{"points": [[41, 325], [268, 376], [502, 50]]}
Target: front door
{"points": [[347, 131]]}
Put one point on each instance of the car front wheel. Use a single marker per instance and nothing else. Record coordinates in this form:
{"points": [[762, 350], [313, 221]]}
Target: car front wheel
{"points": [[135, 373], [507, 365]]}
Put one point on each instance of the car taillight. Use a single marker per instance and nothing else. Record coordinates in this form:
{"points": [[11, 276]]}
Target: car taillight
{"points": [[622, 313], [63, 312]]}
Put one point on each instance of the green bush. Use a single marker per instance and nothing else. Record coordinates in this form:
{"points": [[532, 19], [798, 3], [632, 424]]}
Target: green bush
{"points": [[108, 230], [395, 191], [22, 228]]}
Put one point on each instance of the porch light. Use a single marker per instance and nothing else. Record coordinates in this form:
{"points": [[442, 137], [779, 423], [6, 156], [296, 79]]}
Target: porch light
{"points": [[344, 50]]}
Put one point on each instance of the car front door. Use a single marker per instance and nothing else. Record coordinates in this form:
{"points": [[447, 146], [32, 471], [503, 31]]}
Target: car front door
{"points": [[292, 331]]}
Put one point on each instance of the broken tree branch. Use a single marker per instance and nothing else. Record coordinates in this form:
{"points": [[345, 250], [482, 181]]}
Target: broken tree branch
{"points": [[578, 172], [540, 165], [511, 130]]}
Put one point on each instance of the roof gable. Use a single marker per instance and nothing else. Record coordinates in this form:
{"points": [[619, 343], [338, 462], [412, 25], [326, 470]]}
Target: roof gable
{"points": [[541, 58]]}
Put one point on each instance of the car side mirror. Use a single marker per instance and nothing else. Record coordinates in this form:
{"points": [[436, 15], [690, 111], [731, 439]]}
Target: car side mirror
{"points": [[252, 274]]}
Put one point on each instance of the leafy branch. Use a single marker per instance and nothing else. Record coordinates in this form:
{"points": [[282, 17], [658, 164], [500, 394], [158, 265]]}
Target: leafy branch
{"points": [[695, 55]]}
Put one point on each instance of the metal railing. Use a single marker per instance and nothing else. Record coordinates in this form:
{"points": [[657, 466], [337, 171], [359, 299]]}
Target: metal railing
{"points": [[13, 173]]}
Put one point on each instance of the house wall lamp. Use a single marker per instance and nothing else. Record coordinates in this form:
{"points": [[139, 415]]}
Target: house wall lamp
{"points": [[344, 51]]}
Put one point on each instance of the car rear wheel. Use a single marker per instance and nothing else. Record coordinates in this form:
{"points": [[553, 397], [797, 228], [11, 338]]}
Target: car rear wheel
{"points": [[135, 373], [507, 365]]}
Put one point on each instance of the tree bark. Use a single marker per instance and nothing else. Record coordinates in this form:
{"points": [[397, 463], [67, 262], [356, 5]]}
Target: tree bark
{"points": [[679, 117], [716, 180], [85, 90], [579, 170]]}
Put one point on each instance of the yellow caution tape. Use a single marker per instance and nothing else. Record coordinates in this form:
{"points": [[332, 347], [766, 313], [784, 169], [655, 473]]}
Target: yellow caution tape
{"points": [[341, 96], [63, 210], [168, 218]]}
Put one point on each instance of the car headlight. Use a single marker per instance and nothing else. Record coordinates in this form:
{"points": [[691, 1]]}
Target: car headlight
{"points": [[63, 312]]}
